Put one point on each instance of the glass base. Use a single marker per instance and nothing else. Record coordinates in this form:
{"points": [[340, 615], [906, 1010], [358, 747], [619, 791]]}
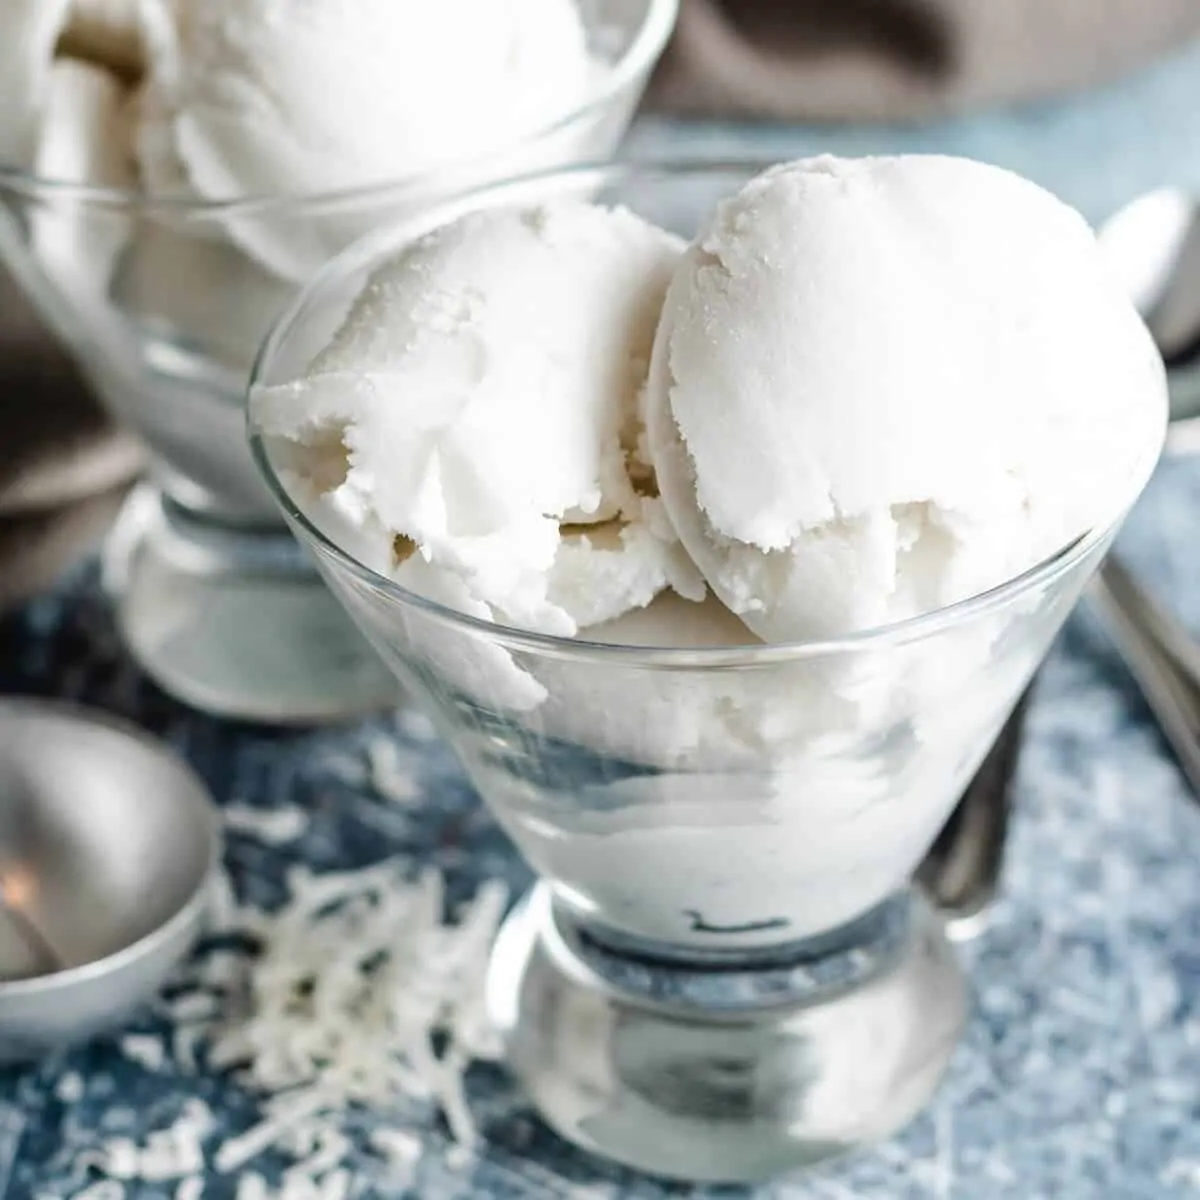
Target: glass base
{"points": [[236, 622], [727, 1072]]}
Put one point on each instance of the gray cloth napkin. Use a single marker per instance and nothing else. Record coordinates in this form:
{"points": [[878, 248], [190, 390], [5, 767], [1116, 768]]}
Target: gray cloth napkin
{"points": [[894, 60], [64, 468]]}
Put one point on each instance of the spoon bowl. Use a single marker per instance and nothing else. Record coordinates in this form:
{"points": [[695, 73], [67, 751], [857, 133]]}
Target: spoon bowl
{"points": [[1153, 245], [108, 844]]}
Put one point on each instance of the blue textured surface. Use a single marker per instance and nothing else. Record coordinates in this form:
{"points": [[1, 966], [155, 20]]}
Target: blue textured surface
{"points": [[1080, 1073]]}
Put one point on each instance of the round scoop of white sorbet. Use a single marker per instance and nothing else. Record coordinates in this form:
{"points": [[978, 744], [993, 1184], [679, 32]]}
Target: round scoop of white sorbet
{"points": [[292, 100], [884, 385], [295, 99], [477, 416]]}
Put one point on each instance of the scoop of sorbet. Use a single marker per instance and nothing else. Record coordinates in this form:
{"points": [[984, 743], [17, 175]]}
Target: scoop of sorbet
{"points": [[884, 385]]}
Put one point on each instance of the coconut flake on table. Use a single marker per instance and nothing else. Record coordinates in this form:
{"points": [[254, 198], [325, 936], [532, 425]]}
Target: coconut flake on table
{"points": [[356, 976], [146, 1049], [274, 826], [391, 777], [357, 980], [175, 1152]]}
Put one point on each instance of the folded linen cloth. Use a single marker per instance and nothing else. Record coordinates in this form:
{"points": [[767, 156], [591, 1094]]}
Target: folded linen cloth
{"points": [[903, 60]]}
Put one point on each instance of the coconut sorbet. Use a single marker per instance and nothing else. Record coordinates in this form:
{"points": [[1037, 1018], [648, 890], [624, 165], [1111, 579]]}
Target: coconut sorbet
{"points": [[211, 102], [865, 391]]}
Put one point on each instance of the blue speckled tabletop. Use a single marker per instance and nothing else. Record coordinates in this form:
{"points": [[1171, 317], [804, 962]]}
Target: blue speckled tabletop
{"points": [[1080, 1072]]}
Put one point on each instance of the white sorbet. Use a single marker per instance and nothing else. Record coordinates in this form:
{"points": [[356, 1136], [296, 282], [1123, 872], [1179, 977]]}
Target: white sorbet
{"points": [[289, 99], [478, 413], [883, 385]]}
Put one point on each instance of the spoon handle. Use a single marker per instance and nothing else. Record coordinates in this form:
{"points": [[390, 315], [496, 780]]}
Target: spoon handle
{"points": [[962, 871], [44, 959], [1160, 654]]}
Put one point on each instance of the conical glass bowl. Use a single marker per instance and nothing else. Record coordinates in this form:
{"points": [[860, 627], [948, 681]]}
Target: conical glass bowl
{"points": [[724, 970]]}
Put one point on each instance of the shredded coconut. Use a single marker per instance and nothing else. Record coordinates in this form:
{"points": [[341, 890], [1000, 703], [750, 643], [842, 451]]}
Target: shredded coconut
{"points": [[359, 992], [400, 1147], [144, 1049], [354, 979], [176, 1152], [388, 775], [273, 826], [253, 1187], [103, 1189]]}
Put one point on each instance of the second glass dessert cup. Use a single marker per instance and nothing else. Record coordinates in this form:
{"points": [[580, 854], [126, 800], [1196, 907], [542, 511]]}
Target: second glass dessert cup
{"points": [[164, 302], [725, 970]]}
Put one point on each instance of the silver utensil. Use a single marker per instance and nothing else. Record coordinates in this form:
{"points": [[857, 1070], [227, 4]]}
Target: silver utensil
{"points": [[961, 873], [33, 942], [1153, 245], [108, 844], [1159, 653]]}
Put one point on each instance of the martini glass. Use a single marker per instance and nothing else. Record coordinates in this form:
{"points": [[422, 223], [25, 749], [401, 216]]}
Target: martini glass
{"points": [[724, 970]]}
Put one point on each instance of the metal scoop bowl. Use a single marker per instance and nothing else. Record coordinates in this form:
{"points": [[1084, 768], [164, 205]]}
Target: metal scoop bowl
{"points": [[108, 844]]}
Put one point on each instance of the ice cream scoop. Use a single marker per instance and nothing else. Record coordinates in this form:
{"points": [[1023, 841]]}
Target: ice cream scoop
{"points": [[477, 414], [884, 385], [302, 99], [270, 99]]}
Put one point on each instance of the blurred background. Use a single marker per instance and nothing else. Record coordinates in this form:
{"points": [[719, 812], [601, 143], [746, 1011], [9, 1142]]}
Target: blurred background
{"points": [[1098, 100]]}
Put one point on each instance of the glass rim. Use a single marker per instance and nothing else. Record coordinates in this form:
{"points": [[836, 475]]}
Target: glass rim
{"points": [[642, 53], [369, 248]]}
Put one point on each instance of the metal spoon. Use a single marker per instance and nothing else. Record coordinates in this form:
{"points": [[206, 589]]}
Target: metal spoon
{"points": [[108, 846], [41, 954], [1160, 654], [1153, 244], [961, 873]]}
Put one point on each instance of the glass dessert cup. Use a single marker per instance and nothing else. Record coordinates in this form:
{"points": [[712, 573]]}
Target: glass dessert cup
{"points": [[164, 302], [724, 970]]}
